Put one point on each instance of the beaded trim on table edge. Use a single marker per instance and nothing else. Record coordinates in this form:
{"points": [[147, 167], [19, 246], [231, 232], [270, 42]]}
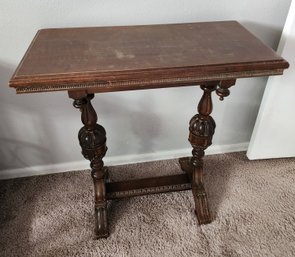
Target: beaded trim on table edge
{"points": [[141, 83]]}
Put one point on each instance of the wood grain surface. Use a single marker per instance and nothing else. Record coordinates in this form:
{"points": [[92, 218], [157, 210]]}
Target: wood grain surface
{"points": [[148, 53]]}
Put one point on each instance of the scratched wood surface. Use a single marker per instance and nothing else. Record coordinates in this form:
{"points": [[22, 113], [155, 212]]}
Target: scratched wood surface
{"points": [[110, 54]]}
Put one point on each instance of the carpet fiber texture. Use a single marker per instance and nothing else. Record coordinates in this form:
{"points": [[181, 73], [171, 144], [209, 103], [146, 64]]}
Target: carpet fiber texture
{"points": [[252, 203]]}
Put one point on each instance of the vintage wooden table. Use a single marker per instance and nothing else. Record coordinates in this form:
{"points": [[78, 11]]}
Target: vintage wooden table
{"points": [[85, 61]]}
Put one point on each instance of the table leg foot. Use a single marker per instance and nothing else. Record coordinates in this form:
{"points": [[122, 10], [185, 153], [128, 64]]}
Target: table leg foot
{"points": [[201, 204], [101, 222], [199, 193]]}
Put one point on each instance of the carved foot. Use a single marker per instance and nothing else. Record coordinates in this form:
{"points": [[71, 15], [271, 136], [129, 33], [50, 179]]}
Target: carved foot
{"points": [[101, 222], [199, 193], [99, 178], [201, 205]]}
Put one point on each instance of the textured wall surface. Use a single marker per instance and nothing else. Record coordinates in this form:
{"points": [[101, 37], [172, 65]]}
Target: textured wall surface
{"points": [[42, 129]]}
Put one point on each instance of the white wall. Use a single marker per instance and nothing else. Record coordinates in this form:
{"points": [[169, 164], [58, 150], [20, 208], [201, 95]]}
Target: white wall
{"points": [[41, 129], [273, 134]]}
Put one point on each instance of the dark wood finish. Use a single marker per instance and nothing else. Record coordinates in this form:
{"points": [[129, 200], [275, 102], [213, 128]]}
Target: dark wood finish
{"points": [[92, 138], [201, 127], [155, 185], [84, 61], [223, 88], [186, 166], [104, 59]]}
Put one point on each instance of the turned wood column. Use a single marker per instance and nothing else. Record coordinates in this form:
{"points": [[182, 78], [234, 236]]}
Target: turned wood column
{"points": [[201, 127], [92, 138], [201, 130]]}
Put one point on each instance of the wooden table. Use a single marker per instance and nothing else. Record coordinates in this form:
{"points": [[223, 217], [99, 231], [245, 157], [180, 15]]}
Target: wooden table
{"points": [[85, 61]]}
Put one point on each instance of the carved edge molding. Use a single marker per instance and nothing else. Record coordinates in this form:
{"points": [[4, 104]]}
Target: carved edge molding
{"points": [[149, 190], [143, 83]]}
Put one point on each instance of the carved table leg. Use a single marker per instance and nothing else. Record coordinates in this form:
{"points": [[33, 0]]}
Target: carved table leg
{"points": [[92, 138], [201, 127]]}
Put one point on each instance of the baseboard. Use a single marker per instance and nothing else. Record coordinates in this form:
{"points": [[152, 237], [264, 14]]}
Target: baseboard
{"points": [[116, 160]]}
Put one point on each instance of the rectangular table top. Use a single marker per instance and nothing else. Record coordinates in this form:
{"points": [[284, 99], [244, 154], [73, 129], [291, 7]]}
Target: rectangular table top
{"points": [[102, 59]]}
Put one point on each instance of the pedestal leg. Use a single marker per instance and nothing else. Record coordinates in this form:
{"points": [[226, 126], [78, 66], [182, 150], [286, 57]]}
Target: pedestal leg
{"points": [[92, 138], [201, 127]]}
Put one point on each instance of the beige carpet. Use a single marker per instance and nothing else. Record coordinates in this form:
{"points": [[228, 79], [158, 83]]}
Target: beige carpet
{"points": [[253, 204]]}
